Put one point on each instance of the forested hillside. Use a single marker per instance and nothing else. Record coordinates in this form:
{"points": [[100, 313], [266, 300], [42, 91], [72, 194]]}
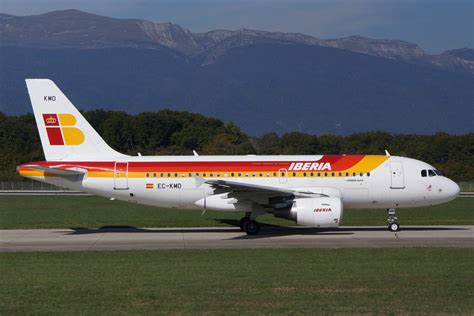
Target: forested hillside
{"points": [[178, 133]]}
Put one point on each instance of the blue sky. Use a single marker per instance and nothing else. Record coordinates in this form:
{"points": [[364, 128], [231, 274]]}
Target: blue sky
{"points": [[435, 25]]}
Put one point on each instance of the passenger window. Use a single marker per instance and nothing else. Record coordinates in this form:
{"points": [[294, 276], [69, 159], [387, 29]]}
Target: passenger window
{"points": [[340, 174], [431, 173], [275, 174], [311, 174], [423, 173], [304, 174], [332, 174], [368, 174], [294, 174], [361, 174], [231, 174], [347, 174], [169, 174], [147, 175]]}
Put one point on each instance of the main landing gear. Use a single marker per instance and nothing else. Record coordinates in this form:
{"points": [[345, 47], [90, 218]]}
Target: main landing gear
{"points": [[249, 225], [392, 220]]}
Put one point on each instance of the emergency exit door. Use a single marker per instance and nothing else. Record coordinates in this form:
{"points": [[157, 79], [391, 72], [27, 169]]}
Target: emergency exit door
{"points": [[121, 176], [397, 175]]}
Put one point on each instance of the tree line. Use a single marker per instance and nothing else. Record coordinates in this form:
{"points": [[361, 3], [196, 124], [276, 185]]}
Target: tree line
{"points": [[178, 133]]}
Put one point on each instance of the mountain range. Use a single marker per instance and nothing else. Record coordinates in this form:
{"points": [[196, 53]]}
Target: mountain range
{"points": [[263, 81]]}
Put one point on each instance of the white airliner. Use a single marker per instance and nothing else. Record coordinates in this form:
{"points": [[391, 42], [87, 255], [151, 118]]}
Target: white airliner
{"points": [[311, 190]]}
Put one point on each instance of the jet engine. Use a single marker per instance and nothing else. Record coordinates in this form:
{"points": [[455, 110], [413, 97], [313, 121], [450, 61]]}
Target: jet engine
{"points": [[315, 212]]}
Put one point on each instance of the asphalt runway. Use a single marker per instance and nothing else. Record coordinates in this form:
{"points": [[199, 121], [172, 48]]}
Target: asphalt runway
{"points": [[130, 238]]}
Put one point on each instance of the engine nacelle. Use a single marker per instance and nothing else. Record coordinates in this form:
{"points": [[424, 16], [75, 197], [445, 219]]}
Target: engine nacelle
{"points": [[317, 212]]}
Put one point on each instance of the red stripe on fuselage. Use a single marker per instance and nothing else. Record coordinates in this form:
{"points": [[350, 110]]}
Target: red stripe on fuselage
{"points": [[337, 163], [346, 162]]}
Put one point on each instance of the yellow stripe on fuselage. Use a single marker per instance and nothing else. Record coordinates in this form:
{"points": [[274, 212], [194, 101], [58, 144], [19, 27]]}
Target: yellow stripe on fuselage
{"points": [[366, 165]]}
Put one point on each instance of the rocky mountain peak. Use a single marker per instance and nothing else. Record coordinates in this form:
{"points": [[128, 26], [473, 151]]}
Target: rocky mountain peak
{"points": [[77, 29], [465, 53], [395, 49], [169, 35]]}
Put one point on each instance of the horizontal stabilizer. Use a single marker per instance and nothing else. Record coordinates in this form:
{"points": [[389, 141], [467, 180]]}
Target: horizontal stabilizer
{"points": [[58, 171]]}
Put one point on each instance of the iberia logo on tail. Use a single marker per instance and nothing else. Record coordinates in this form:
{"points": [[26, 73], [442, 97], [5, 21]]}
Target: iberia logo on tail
{"points": [[61, 131]]}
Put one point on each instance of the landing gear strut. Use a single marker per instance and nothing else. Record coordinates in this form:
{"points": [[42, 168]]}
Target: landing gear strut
{"points": [[392, 220], [251, 227], [243, 220], [248, 223]]}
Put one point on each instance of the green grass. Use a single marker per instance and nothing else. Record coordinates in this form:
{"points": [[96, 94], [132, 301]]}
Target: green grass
{"points": [[277, 281], [88, 211]]}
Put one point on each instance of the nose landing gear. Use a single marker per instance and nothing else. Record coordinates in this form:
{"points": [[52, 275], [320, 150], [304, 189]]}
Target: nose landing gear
{"points": [[392, 220]]}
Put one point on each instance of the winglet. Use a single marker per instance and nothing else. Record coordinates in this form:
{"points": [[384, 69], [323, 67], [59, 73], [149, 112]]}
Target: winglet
{"points": [[387, 153]]}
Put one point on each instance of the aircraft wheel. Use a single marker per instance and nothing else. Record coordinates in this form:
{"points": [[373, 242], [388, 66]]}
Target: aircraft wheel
{"points": [[394, 227], [251, 227], [242, 222]]}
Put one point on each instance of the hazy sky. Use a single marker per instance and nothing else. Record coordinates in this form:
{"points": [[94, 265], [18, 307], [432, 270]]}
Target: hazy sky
{"points": [[435, 25]]}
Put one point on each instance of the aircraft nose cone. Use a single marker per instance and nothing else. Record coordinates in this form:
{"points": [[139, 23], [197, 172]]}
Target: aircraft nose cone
{"points": [[452, 189]]}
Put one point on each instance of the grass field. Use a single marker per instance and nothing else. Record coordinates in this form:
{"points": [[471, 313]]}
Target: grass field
{"points": [[278, 281], [88, 211]]}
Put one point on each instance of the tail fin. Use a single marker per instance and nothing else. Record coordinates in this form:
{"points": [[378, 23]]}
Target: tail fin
{"points": [[65, 134]]}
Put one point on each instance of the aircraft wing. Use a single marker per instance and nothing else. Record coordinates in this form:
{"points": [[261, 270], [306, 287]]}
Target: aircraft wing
{"points": [[232, 186], [57, 171]]}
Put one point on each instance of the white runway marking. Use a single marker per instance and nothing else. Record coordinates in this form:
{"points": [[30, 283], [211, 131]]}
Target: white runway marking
{"points": [[129, 238]]}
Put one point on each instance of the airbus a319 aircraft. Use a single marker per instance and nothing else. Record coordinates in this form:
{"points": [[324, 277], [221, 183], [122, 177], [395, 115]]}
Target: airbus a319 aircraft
{"points": [[311, 190]]}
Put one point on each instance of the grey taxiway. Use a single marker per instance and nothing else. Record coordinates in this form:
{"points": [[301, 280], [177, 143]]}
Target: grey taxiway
{"points": [[131, 238]]}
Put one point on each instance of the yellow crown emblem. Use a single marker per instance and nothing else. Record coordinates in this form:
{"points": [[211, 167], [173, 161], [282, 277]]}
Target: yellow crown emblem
{"points": [[51, 120]]}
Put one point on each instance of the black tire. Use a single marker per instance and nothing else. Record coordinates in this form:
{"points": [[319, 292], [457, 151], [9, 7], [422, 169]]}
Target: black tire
{"points": [[394, 227], [251, 227], [242, 222]]}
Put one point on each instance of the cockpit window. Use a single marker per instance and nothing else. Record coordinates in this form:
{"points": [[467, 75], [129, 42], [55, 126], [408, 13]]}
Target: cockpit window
{"points": [[423, 173], [431, 173], [438, 172]]}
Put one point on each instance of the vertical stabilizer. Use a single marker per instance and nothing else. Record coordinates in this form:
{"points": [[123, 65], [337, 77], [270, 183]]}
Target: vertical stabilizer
{"points": [[65, 134]]}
